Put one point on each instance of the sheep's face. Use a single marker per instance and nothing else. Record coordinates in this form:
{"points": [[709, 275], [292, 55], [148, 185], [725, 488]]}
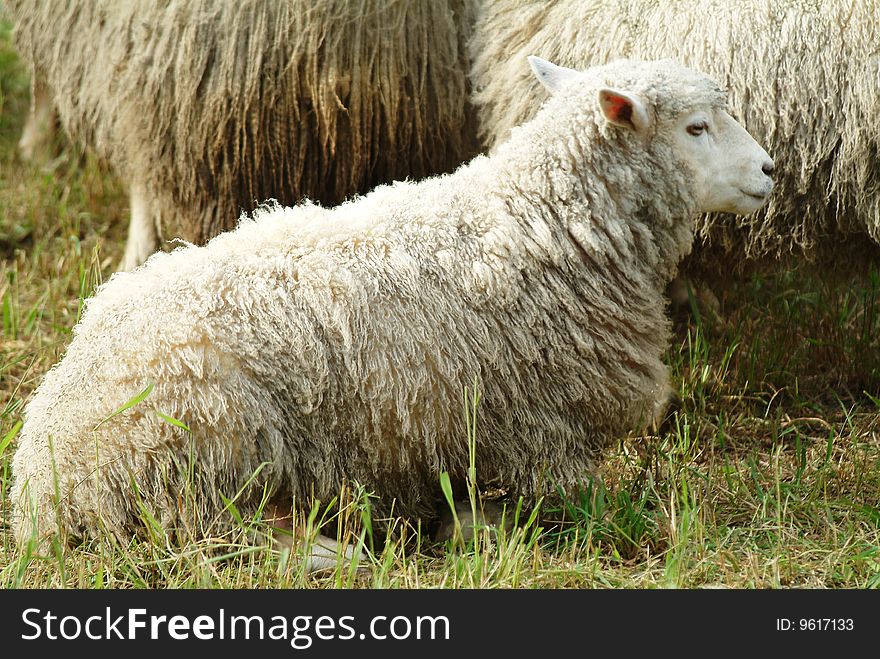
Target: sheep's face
{"points": [[679, 116], [731, 172]]}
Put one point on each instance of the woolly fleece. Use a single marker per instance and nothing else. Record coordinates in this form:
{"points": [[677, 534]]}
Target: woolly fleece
{"points": [[213, 106], [332, 346]]}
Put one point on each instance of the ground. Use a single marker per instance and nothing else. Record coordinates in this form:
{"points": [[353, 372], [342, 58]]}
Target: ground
{"points": [[767, 476]]}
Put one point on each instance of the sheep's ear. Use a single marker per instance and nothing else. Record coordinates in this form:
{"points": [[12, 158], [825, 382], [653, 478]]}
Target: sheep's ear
{"points": [[551, 76], [623, 109]]}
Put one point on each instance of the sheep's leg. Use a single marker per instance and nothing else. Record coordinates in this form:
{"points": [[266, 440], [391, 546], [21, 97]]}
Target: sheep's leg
{"points": [[143, 239], [680, 299], [38, 128], [324, 553], [663, 417], [677, 291]]}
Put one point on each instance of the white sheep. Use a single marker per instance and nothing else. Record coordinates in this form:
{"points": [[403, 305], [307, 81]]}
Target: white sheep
{"points": [[803, 77], [316, 346], [206, 108]]}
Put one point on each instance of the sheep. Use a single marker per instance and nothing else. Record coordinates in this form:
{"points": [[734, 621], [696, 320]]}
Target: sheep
{"points": [[803, 78], [313, 347], [206, 108]]}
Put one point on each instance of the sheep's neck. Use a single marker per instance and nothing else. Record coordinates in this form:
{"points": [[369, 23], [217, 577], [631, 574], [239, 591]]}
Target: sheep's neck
{"points": [[602, 218]]}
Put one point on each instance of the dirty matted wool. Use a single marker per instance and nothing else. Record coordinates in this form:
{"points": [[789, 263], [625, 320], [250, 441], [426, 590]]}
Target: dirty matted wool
{"points": [[213, 106]]}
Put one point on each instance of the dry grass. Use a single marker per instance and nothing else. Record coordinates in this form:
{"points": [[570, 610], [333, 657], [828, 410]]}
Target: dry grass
{"points": [[768, 476]]}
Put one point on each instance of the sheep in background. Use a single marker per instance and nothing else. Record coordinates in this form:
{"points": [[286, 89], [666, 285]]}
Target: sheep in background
{"points": [[803, 78], [333, 345], [206, 108]]}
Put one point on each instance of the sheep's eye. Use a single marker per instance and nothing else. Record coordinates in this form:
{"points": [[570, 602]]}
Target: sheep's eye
{"points": [[698, 129]]}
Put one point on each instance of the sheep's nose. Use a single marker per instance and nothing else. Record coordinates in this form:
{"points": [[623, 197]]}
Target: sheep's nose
{"points": [[768, 168]]}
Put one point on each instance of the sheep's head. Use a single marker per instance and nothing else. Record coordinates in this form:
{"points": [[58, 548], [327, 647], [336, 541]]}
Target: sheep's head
{"points": [[678, 113]]}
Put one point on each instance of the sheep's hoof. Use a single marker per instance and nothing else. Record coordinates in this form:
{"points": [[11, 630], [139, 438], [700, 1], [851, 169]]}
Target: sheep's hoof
{"points": [[489, 513], [36, 144], [323, 554]]}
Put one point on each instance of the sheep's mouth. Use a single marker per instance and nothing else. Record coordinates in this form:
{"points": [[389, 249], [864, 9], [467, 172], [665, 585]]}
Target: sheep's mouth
{"points": [[761, 196]]}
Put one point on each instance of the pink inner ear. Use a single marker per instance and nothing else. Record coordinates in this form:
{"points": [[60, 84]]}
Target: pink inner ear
{"points": [[619, 108]]}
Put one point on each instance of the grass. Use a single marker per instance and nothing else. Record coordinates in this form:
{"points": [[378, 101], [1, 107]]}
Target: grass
{"points": [[768, 475]]}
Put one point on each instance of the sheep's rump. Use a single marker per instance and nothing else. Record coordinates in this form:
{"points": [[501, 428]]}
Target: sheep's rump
{"points": [[803, 78], [217, 105]]}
